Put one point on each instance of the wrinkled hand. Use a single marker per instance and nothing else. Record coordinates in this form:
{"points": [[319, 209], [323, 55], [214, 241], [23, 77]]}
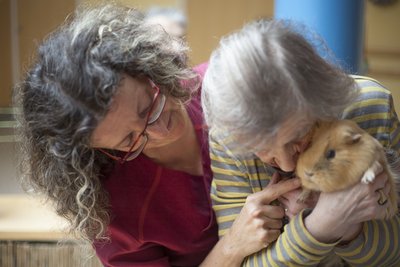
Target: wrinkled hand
{"points": [[292, 206], [339, 215], [259, 222]]}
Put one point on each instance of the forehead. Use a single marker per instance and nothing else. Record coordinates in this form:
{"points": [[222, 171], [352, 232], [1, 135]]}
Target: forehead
{"points": [[130, 98], [130, 91], [291, 130]]}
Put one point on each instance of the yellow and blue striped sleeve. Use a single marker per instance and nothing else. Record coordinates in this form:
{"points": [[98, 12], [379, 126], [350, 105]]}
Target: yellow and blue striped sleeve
{"points": [[374, 112], [295, 247], [235, 179], [378, 243]]}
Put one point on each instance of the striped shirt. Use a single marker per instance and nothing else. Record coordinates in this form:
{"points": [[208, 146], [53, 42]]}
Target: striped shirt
{"points": [[236, 178]]}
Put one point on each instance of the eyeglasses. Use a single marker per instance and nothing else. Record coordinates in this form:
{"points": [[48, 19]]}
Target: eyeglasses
{"points": [[156, 108]]}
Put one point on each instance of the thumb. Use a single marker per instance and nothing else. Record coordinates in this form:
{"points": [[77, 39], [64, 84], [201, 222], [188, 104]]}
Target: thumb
{"points": [[270, 193]]}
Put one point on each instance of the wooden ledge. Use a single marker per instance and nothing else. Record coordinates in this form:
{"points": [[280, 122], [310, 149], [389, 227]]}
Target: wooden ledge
{"points": [[24, 217]]}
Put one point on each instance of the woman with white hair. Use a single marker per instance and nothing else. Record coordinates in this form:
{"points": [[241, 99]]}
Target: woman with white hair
{"points": [[263, 91]]}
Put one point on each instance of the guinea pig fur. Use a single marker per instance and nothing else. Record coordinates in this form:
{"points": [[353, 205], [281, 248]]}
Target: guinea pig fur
{"points": [[340, 155]]}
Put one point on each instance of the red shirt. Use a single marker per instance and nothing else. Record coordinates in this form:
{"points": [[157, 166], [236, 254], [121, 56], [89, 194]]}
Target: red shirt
{"points": [[159, 216]]}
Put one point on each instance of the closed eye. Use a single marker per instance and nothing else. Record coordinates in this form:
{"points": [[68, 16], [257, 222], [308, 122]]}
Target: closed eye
{"points": [[128, 141], [143, 113]]}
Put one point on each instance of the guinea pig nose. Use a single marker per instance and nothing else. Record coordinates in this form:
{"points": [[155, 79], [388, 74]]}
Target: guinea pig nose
{"points": [[308, 174]]}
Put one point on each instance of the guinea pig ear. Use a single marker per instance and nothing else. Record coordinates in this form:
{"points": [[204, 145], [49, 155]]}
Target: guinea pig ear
{"points": [[351, 137]]}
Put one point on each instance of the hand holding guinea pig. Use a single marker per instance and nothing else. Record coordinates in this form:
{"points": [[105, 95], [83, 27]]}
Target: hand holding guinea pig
{"points": [[339, 156]]}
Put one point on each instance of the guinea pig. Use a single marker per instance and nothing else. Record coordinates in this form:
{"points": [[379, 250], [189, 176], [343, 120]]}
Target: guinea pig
{"points": [[341, 154]]}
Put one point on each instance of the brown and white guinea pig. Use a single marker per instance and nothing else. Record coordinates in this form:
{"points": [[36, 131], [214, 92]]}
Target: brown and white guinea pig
{"points": [[340, 155]]}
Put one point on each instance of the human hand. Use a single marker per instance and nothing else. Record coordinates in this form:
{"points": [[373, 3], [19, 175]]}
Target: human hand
{"points": [[259, 222], [289, 201], [339, 215]]}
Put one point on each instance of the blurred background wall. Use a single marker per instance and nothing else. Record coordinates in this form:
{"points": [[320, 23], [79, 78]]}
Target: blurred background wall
{"points": [[23, 23]]}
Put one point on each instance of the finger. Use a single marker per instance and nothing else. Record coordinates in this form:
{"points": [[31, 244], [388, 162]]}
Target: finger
{"points": [[381, 209], [382, 176], [387, 188], [293, 194], [284, 201], [272, 223], [273, 212], [272, 235], [274, 191], [382, 197], [379, 182]]}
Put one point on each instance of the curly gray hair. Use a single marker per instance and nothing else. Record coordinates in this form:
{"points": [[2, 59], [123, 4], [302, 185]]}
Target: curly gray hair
{"points": [[263, 74], [69, 89]]}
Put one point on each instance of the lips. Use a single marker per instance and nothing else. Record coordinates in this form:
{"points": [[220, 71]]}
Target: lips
{"points": [[284, 174]]}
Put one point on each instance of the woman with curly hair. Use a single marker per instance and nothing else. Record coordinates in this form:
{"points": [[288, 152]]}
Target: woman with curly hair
{"points": [[112, 133]]}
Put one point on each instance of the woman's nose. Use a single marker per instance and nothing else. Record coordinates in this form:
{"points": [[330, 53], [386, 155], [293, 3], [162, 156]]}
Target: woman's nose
{"points": [[287, 160], [286, 164]]}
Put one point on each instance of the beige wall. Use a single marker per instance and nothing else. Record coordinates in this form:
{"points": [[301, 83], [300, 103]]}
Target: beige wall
{"points": [[37, 18], [34, 19], [383, 46], [143, 4], [209, 20], [5, 54]]}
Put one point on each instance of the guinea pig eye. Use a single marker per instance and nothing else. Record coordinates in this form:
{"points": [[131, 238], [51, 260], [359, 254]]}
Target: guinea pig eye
{"points": [[330, 154]]}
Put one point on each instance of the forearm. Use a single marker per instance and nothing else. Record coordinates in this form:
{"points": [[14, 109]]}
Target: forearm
{"points": [[338, 230]]}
